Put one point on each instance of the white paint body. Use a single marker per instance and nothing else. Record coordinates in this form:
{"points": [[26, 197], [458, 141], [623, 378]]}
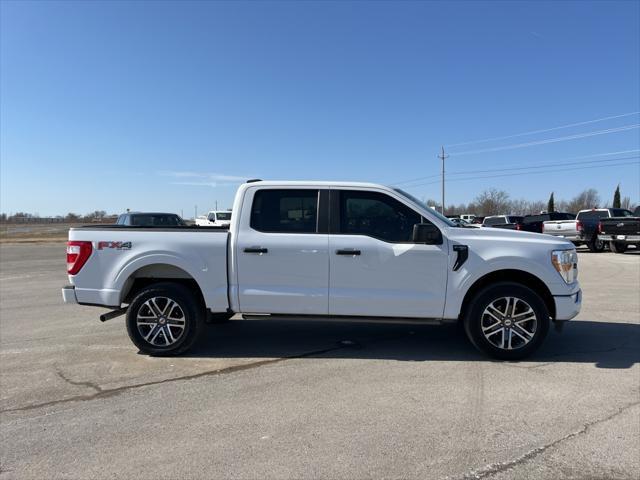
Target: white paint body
{"points": [[301, 274]]}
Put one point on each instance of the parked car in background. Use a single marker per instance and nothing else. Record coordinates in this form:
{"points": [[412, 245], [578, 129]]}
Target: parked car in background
{"points": [[509, 222], [150, 219], [215, 219], [469, 217], [567, 229], [313, 250], [459, 222], [621, 231], [534, 223], [587, 225]]}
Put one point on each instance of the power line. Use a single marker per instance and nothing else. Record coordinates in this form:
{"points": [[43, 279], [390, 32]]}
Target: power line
{"points": [[556, 163], [533, 132], [550, 140], [538, 171]]}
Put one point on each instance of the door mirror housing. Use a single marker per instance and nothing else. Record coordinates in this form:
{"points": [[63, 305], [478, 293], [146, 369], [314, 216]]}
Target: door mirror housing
{"points": [[427, 233]]}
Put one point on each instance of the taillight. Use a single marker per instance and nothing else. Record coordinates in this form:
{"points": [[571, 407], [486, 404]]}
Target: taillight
{"points": [[77, 255], [599, 227], [518, 226], [579, 226]]}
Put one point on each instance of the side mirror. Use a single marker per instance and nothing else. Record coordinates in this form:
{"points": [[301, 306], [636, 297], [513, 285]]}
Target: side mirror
{"points": [[427, 233]]}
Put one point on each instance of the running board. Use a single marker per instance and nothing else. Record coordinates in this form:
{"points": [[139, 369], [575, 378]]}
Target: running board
{"points": [[349, 319]]}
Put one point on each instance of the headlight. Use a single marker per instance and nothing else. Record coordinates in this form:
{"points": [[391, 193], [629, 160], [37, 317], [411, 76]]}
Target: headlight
{"points": [[566, 263]]}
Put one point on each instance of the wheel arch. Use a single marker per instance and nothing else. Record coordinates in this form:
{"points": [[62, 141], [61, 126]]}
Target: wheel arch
{"points": [[158, 273], [510, 275]]}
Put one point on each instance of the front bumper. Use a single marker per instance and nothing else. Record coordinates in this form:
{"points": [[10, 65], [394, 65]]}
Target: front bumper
{"points": [[619, 238], [69, 294], [568, 306]]}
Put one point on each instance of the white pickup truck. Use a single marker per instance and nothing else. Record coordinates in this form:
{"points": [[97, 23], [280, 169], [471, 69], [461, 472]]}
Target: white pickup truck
{"points": [[328, 250], [214, 219]]}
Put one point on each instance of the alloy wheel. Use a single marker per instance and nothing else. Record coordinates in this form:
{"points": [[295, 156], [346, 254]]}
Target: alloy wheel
{"points": [[161, 321], [509, 323]]}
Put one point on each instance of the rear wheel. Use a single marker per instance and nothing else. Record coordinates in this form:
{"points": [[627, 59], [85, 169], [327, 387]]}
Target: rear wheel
{"points": [[507, 321], [618, 247], [165, 319], [596, 245]]}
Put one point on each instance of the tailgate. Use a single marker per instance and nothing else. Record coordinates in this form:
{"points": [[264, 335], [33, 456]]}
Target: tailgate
{"points": [[560, 227]]}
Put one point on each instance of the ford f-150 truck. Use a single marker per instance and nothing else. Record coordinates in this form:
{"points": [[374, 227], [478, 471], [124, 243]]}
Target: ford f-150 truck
{"points": [[621, 231], [587, 224], [328, 250]]}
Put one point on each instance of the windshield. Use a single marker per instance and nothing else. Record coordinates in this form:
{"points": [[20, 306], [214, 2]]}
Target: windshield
{"points": [[421, 205], [224, 215]]}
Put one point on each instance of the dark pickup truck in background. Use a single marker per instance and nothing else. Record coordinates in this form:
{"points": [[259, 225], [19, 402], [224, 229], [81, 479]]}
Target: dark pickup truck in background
{"points": [[534, 223], [621, 230], [588, 222], [509, 222]]}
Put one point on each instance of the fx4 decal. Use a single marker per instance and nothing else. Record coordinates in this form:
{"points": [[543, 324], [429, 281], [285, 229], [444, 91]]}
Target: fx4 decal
{"points": [[116, 245]]}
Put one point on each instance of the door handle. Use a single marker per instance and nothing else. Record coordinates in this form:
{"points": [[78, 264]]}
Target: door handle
{"points": [[259, 250], [348, 251]]}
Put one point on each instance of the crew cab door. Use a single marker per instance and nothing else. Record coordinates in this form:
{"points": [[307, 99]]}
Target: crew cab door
{"points": [[375, 269], [281, 254]]}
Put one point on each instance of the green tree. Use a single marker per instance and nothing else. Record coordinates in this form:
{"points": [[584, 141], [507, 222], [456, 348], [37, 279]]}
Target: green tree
{"points": [[551, 207], [616, 197]]}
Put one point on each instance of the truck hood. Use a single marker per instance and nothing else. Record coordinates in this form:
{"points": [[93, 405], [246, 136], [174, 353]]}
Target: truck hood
{"points": [[511, 237]]}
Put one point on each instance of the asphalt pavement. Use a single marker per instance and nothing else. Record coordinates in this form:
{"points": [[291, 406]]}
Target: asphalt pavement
{"points": [[291, 399]]}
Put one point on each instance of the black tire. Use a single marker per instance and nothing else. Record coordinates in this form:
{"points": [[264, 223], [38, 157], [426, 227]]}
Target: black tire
{"points": [[475, 316], [595, 245], [216, 318], [618, 247], [191, 314]]}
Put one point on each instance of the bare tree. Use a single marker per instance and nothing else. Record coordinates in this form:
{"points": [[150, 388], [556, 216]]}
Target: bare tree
{"points": [[493, 202], [626, 203], [588, 198]]}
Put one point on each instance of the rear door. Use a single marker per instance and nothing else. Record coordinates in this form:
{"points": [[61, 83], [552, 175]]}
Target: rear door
{"points": [[282, 251], [375, 269]]}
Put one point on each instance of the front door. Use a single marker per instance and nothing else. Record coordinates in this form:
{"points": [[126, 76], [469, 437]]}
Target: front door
{"points": [[282, 259], [375, 269]]}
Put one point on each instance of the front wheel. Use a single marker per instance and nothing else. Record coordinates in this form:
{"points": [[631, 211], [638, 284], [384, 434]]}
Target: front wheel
{"points": [[165, 319], [618, 247], [507, 321]]}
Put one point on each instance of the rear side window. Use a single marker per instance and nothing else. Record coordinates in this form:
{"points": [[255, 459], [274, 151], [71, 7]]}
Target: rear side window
{"points": [[286, 211], [494, 221], [376, 215], [620, 212]]}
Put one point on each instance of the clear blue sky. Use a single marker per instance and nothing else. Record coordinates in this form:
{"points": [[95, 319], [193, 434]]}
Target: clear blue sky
{"points": [[165, 105]]}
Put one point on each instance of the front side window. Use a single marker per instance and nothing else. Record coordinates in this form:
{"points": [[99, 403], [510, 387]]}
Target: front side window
{"points": [[224, 215], [286, 211], [376, 215]]}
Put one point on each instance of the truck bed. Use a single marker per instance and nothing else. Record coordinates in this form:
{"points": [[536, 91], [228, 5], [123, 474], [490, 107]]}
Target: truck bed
{"points": [[120, 253]]}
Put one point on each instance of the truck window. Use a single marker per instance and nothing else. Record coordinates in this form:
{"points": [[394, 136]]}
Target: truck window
{"points": [[592, 214], [495, 221], [376, 215], [224, 215], [211, 217], [621, 212], [285, 211]]}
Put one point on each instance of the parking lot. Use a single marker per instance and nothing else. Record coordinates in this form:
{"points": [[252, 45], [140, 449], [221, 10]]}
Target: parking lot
{"points": [[276, 399]]}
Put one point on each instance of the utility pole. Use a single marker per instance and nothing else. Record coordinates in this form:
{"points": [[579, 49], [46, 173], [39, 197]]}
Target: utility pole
{"points": [[442, 157], [195, 215], [216, 205]]}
